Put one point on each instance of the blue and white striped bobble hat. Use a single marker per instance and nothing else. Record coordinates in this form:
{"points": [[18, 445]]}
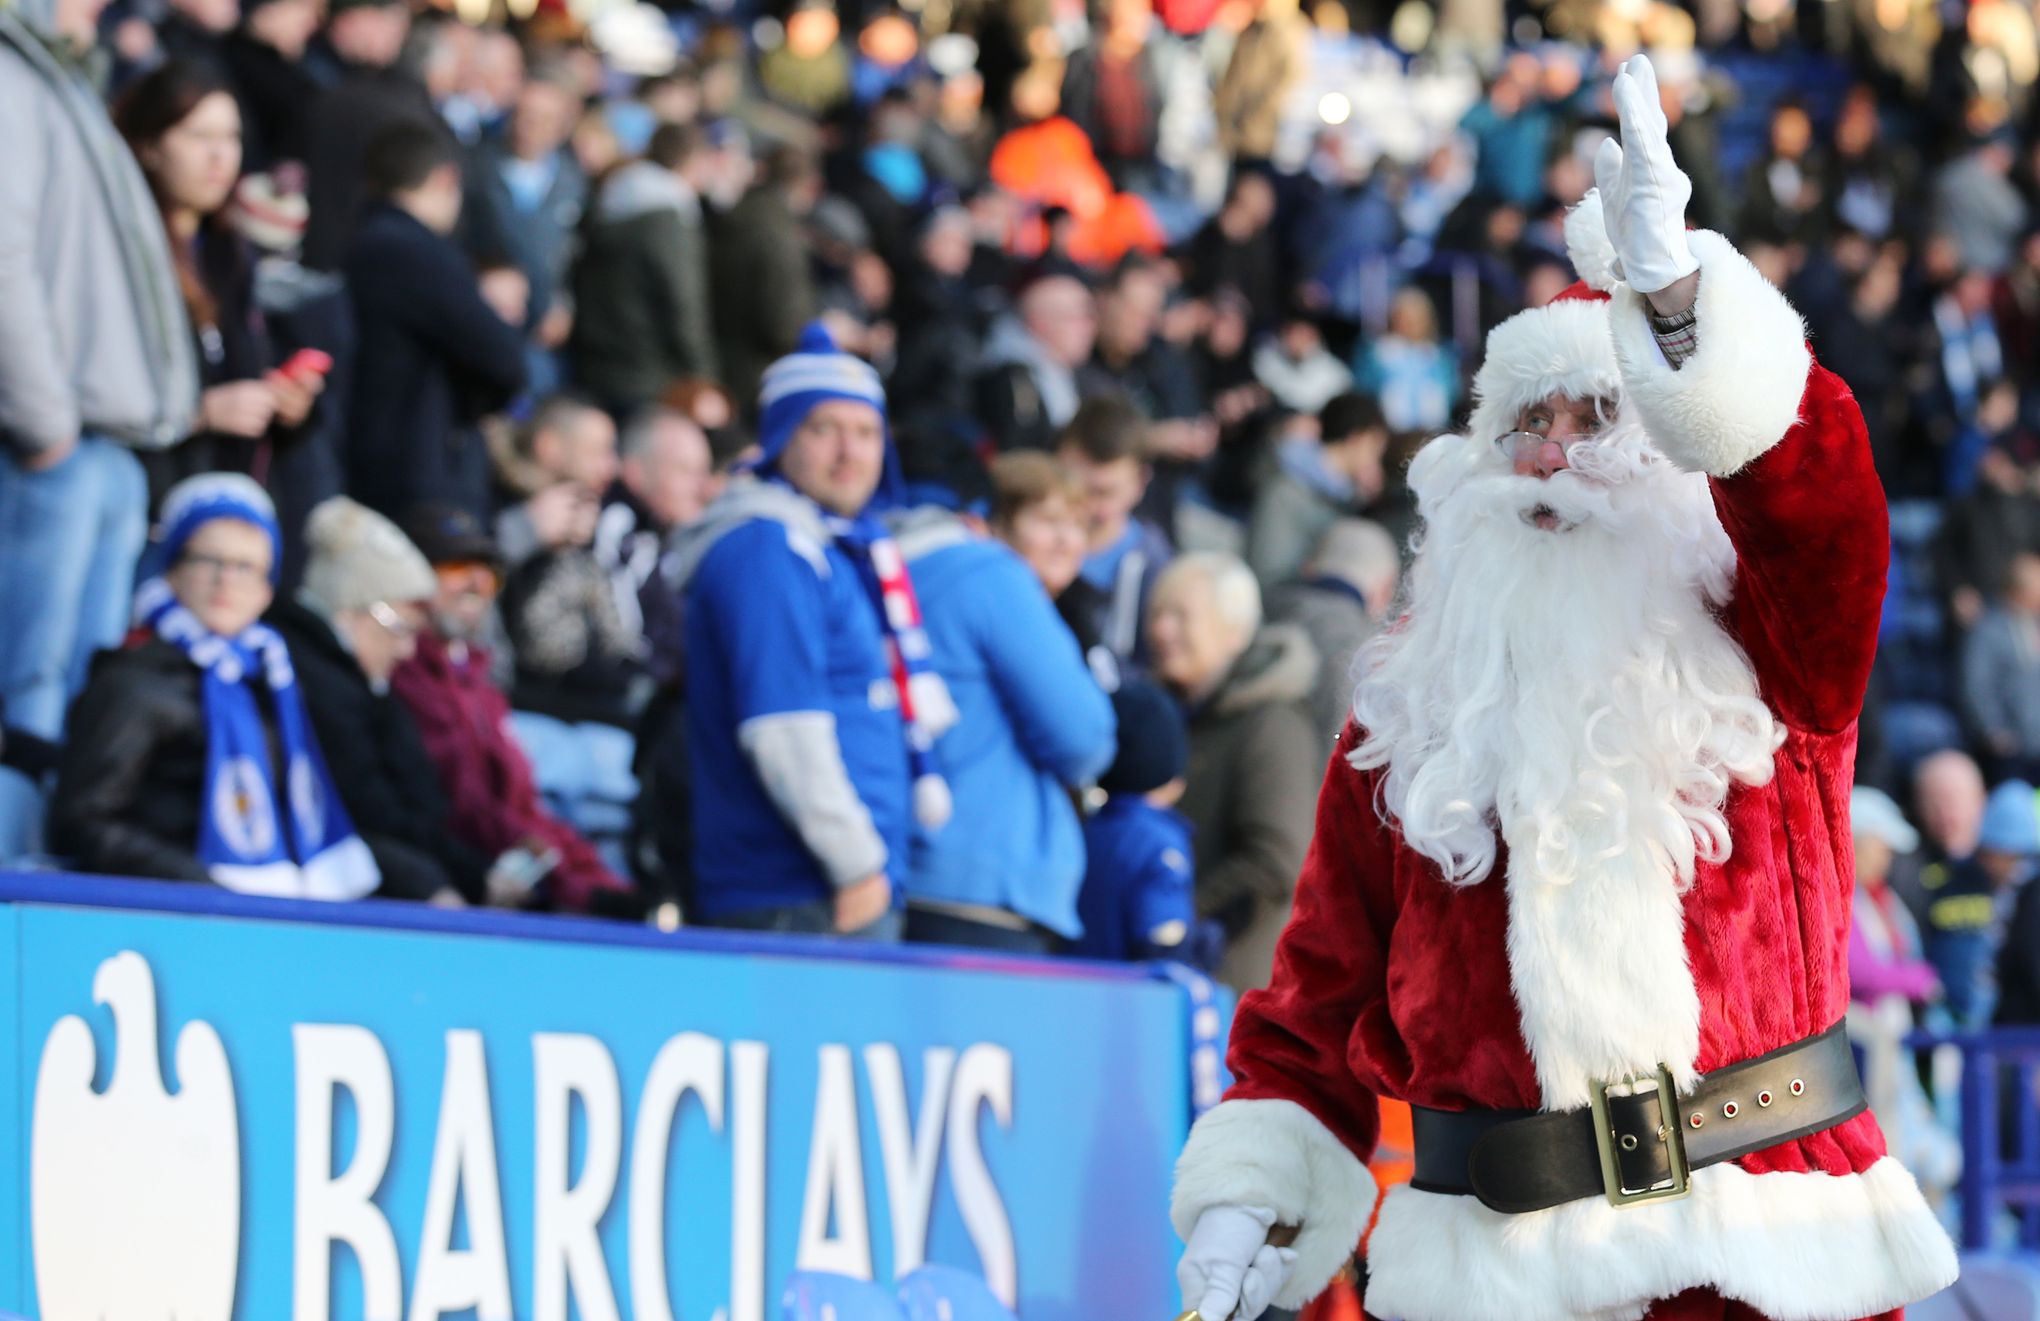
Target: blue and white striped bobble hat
{"points": [[814, 373]]}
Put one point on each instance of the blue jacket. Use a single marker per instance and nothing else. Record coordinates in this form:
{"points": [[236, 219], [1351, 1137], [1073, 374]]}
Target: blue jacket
{"points": [[1137, 901], [778, 624], [1031, 723]]}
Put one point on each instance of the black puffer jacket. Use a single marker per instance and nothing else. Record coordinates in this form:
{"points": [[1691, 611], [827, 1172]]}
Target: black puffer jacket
{"points": [[379, 765], [132, 774]]}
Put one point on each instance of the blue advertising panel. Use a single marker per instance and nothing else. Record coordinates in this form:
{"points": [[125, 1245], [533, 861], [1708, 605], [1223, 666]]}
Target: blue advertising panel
{"points": [[256, 1117]]}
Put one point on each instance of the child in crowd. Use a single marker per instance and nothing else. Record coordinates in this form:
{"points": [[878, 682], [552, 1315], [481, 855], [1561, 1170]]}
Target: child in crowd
{"points": [[1137, 898]]}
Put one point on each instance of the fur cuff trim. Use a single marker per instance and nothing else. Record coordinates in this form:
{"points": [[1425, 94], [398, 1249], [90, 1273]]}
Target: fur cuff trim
{"points": [[1277, 1155], [1794, 1247], [1739, 393]]}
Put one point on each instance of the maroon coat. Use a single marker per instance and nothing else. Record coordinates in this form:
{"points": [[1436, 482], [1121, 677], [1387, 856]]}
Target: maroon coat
{"points": [[465, 721]]}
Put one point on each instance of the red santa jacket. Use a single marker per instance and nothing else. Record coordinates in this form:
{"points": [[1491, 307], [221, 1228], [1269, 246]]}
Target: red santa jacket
{"points": [[1391, 982]]}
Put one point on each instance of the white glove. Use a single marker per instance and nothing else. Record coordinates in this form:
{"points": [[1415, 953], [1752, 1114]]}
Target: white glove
{"points": [[1643, 191], [1229, 1268]]}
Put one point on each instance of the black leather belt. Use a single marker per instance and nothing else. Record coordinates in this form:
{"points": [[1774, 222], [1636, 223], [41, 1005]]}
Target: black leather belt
{"points": [[1626, 1146]]}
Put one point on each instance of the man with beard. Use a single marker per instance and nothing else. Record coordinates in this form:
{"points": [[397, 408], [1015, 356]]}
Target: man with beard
{"points": [[1580, 885]]}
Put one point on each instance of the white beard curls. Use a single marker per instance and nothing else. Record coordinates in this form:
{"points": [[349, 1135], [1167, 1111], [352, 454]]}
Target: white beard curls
{"points": [[1571, 687]]}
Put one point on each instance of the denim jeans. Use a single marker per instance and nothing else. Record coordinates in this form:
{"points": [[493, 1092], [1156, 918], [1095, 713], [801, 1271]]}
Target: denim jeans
{"points": [[69, 538]]}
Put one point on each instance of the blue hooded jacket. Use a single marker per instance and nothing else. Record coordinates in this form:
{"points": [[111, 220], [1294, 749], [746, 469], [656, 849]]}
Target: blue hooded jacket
{"points": [[1032, 724]]}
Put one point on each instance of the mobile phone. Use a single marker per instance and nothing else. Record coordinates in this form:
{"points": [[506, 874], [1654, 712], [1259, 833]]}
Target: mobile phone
{"points": [[307, 362]]}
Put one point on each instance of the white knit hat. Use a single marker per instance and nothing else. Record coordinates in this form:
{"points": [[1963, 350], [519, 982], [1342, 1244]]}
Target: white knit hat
{"points": [[358, 557]]}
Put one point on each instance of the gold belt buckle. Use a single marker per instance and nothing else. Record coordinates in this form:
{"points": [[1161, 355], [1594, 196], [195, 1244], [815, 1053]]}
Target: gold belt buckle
{"points": [[1669, 1133]]}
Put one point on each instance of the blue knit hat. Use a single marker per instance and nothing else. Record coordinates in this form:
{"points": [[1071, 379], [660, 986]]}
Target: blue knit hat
{"points": [[2011, 820], [196, 501], [817, 372]]}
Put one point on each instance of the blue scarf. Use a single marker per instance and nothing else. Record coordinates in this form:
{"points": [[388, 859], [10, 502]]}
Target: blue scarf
{"points": [[245, 842]]}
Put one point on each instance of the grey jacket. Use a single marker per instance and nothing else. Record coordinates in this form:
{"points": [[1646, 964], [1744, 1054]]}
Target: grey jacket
{"points": [[1255, 763], [2001, 681], [93, 332]]}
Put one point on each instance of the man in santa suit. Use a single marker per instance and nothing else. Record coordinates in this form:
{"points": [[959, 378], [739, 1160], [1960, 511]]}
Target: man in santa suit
{"points": [[1580, 885]]}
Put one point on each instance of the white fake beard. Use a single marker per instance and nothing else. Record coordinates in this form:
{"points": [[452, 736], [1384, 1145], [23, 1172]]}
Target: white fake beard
{"points": [[1571, 687]]}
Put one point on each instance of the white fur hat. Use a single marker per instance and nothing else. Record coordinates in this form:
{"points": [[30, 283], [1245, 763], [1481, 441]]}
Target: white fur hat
{"points": [[1561, 348], [358, 557]]}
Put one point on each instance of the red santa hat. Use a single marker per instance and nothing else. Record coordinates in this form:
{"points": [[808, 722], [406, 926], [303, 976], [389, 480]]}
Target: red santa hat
{"points": [[1562, 348]]}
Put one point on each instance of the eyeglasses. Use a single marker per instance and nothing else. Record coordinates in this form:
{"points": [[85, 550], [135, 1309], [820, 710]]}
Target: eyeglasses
{"points": [[242, 572], [472, 579], [393, 623], [1517, 446]]}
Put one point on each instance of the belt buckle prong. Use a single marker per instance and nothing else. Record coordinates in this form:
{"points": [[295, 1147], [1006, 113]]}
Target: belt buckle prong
{"points": [[1669, 1132]]}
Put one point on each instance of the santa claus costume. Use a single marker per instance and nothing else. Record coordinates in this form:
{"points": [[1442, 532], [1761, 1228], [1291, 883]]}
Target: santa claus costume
{"points": [[1584, 851]]}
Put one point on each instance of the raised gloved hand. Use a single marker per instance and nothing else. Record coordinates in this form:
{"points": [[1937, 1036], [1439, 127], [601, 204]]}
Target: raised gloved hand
{"points": [[1229, 1269], [1643, 191]]}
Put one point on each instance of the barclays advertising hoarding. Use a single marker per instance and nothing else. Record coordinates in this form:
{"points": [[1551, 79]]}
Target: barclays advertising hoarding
{"points": [[245, 1113]]}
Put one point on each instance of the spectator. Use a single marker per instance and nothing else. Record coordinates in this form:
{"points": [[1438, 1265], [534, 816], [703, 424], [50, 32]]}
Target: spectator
{"points": [[761, 288], [810, 70], [1112, 90], [1871, 185], [1029, 392], [355, 620], [1236, 249], [667, 478], [365, 93], [1138, 900], [95, 362], [809, 711], [937, 314], [1133, 361], [1986, 530], [1782, 192], [1413, 375], [1948, 798], [579, 675], [463, 719], [2001, 673], [1976, 205], [2018, 973], [1885, 957], [1296, 368], [525, 195], [1038, 510], [1032, 724], [265, 59], [1511, 129], [1888, 977], [1966, 920], [641, 281], [1269, 60], [1322, 470], [185, 128], [195, 31], [1253, 752], [434, 356], [1124, 554], [1342, 600], [185, 745]]}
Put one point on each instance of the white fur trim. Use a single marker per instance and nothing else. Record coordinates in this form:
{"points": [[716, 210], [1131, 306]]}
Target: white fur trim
{"points": [[1599, 969], [1562, 348], [1275, 1154], [1739, 393], [1587, 243], [1796, 1247]]}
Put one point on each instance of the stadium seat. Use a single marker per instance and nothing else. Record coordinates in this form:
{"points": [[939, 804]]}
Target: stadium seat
{"points": [[820, 1296], [944, 1293], [2000, 1287]]}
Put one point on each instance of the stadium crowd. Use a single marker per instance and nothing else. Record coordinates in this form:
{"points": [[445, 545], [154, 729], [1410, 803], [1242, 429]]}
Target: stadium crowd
{"points": [[913, 472]]}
